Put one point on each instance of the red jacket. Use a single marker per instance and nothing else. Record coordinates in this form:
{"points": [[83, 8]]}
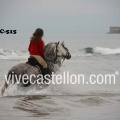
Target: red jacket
{"points": [[36, 48]]}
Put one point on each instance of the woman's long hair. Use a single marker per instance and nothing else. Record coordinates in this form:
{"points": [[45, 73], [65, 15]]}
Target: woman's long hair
{"points": [[38, 34]]}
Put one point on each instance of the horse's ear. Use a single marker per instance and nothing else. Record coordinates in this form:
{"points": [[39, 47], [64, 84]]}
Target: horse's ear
{"points": [[63, 43]]}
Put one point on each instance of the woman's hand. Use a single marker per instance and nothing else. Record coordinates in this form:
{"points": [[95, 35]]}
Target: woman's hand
{"points": [[45, 66]]}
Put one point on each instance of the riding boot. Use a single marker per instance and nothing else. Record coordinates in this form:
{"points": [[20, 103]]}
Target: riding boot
{"points": [[46, 71]]}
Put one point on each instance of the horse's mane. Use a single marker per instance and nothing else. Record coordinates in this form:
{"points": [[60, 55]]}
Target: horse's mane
{"points": [[49, 50], [49, 44]]}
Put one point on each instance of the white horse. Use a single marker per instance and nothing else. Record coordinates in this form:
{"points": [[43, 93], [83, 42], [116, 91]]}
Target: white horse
{"points": [[55, 53]]}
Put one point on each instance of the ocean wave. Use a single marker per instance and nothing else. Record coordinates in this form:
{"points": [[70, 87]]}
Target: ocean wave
{"points": [[101, 50], [13, 54], [88, 51]]}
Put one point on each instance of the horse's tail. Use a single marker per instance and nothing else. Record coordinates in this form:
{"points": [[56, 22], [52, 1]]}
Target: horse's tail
{"points": [[5, 85], [8, 80], [2, 89]]}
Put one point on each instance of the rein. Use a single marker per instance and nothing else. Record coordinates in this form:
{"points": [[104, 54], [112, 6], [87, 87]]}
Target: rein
{"points": [[56, 52]]}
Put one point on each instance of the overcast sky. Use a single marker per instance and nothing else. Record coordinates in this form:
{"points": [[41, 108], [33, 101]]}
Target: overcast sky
{"points": [[60, 16]]}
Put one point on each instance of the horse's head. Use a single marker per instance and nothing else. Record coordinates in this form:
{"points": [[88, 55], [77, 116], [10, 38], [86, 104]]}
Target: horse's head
{"points": [[62, 51], [56, 50]]}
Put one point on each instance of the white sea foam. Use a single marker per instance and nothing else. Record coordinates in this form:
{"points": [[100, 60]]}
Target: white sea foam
{"points": [[13, 54], [101, 50], [106, 51]]}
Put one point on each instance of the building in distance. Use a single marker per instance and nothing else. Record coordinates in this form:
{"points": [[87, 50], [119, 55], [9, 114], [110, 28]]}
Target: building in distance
{"points": [[114, 30]]}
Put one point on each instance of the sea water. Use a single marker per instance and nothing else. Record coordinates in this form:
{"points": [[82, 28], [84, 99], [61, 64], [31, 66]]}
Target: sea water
{"points": [[78, 101]]}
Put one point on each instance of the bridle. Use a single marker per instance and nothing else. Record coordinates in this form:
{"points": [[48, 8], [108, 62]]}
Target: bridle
{"points": [[63, 57]]}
